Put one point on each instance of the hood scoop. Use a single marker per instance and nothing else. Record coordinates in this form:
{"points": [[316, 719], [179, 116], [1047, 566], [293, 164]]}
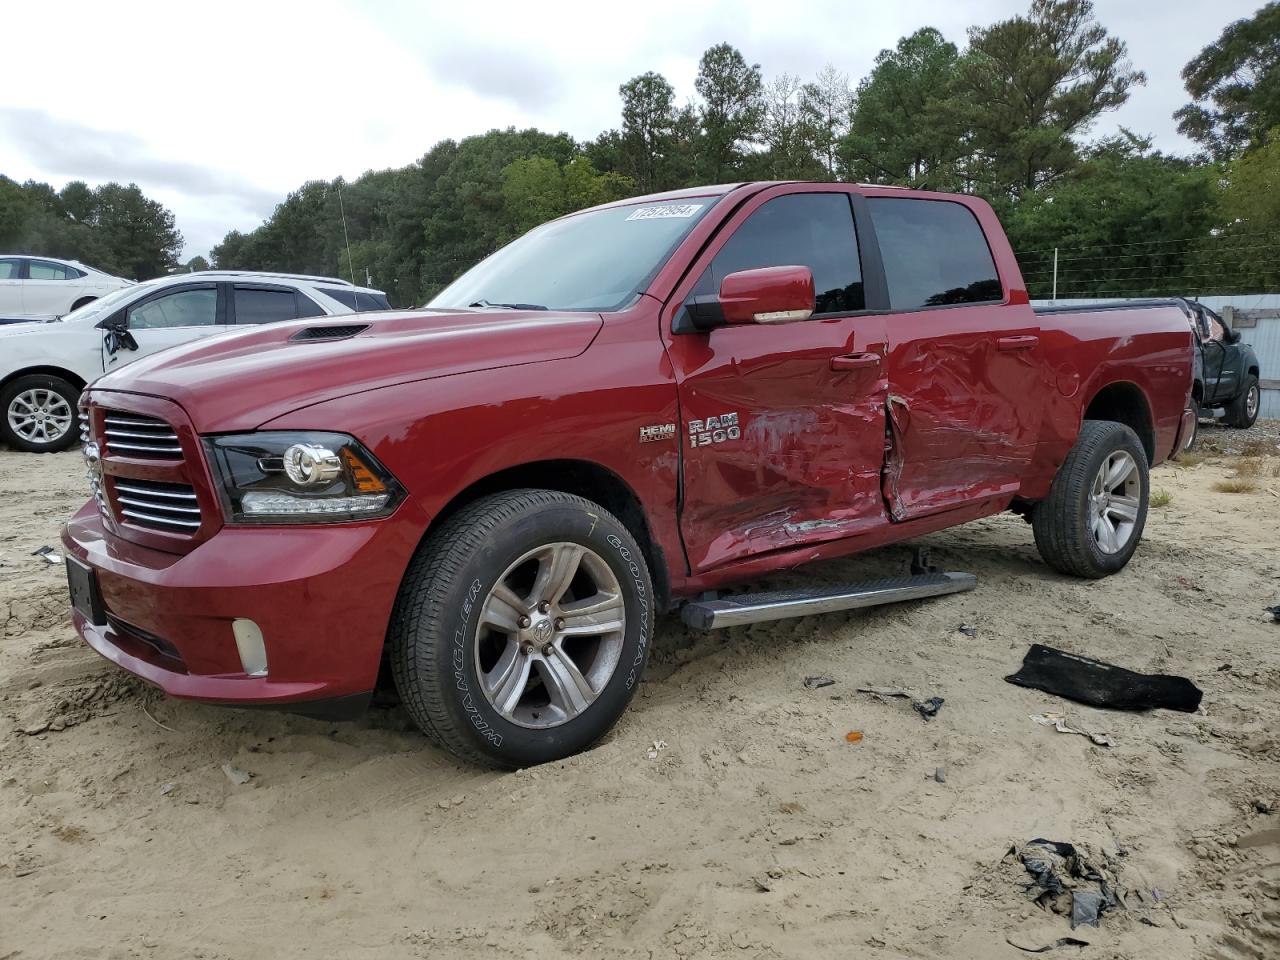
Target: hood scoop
{"points": [[341, 332]]}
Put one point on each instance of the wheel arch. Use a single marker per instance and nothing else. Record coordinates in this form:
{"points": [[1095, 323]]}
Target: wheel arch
{"points": [[47, 370], [582, 478], [1123, 401]]}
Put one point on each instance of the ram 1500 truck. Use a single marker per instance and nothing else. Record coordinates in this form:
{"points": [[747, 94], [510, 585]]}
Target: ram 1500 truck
{"points": [[623, 411]]}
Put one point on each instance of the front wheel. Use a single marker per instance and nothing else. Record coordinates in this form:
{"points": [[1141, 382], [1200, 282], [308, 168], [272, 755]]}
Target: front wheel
{"points": [[1242, 411], [38, 413], [522, 628], [1092, 520]]}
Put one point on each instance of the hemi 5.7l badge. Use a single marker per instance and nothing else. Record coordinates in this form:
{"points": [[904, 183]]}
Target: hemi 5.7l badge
{"points": [[658, 431]]}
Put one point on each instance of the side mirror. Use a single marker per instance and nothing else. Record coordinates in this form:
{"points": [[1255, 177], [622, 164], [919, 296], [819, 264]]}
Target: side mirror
{"points": [[767, 295], [763, 295], [117, 335]]}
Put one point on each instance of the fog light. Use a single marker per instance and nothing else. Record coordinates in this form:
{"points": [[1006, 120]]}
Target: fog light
{"points": [[253, 652]]}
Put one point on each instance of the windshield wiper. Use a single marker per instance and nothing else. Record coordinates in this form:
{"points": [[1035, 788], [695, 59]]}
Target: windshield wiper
{"points": [[508, 306]]}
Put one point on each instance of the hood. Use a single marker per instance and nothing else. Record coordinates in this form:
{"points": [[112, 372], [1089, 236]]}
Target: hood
{"points": [[238, 381], [18, 325]]}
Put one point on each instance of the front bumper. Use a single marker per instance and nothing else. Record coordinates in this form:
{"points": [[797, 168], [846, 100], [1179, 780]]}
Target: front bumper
{"points": [[321, 595]]}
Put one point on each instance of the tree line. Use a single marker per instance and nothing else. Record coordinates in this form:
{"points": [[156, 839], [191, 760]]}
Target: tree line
{"points": [[112, 227], [1007, 115]]}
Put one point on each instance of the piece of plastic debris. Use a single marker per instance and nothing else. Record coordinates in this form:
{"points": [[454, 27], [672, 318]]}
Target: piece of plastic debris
{"points": [[940, 774], [48, 554], [1060, 873], [1059, 723], [236, 775], [854, 736], [886, 693], [813, 683], [657, 747], [967, 630], [1060, 942], [1274, 613], [1086, 908], [1102, 684], [167, 789], [928, 708]]}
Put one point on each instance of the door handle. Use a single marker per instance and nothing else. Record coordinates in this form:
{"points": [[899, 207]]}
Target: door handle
{"points": [[1009, 344], [855, 361]]}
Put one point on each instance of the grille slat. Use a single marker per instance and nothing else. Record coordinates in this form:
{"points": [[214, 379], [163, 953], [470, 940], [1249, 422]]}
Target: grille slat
{"points": [[156, 505], [151, 519], [140, 435]]}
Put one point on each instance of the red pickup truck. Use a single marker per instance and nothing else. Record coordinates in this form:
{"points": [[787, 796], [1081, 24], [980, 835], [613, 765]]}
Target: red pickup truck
{"points": [[618, 414]]}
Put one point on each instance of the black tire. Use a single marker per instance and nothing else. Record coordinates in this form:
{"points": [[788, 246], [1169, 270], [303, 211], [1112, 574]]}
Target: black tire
{"points": [[80, 303], [434, 634], [10, 405], [1238, 412], [1064, 521]]}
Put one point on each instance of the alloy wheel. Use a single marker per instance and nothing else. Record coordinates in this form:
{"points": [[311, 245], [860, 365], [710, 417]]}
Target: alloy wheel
{"points": [[1114, 501], [40, 415], [550, 635]]}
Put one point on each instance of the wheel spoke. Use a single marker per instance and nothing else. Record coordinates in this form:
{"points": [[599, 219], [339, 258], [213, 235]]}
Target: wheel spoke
{"points": [[1118, 471], [503, 609], [566, 685], [507, 681], [556, 570], [1126, 508], [602, 613]]}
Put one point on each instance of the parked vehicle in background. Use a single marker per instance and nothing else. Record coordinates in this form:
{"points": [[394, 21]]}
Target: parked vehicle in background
{"points": [[622, 410], [45, 287], [1229, 372], [44, 366]]}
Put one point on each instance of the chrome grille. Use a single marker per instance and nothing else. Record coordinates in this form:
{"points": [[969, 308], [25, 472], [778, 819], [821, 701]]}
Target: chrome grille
{"points": [[160, 506], [136, 435]]}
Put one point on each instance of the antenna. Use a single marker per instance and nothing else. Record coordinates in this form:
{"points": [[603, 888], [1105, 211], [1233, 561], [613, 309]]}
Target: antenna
{"points": [[351, 267]]}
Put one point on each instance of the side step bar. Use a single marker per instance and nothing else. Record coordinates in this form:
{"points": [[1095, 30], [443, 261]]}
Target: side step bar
{"points": [[744, 608]]}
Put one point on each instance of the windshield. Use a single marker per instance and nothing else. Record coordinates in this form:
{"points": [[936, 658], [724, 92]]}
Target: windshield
{"points": [[592, 261], [107, 303]]}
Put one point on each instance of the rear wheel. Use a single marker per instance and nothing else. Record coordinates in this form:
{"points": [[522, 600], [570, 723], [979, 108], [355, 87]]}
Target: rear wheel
{"points": [[1242, 411], [1092, 520], [38, 413], [83, 301], [522, 628]]}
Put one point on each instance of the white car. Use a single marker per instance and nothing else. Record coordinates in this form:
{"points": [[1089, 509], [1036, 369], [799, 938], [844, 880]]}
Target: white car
{"points": [[45, 365], [45, 286]]}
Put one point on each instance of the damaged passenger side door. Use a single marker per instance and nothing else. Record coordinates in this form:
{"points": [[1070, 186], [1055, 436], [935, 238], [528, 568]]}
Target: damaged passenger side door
{"points": [[783, 422]]}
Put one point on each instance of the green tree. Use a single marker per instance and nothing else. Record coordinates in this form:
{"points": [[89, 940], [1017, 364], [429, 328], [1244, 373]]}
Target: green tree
{"points": [[787, 140], [1234, 84], [1031, 85], [732, 94], [906, 127], [1128, 221], [195, 264], [648, 119]]}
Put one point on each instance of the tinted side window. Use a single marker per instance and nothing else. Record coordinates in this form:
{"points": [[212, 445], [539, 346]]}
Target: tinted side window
{"points": [[10, 269], [186, 308], [934, 253], [372, 301], [264, 306], [345, 297], [813, 230], [44, 270]]}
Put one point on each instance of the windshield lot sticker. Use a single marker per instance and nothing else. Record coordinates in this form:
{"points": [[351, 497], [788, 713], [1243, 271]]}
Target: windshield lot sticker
{"points": [[680, 211], [703, 433]]}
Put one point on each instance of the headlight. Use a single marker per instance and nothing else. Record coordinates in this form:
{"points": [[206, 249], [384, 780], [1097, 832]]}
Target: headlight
{"points": [[300, 477]]}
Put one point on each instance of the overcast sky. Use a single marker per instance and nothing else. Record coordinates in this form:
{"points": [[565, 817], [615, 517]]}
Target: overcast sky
{"points": [[218, 110]]}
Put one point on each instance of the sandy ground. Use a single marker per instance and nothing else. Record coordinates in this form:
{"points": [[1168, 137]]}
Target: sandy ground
{"points": [[758, 831]]}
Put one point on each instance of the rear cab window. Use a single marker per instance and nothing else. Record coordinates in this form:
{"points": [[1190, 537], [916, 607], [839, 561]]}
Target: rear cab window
{"points": [[813, 230], [44, 270], [935, 254]]}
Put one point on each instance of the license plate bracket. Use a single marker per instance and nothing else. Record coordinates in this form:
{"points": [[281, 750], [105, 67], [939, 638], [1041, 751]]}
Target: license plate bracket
{"points": [[86, 598]]}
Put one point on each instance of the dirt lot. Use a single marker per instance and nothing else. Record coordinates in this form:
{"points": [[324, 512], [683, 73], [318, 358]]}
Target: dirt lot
{"points": [[757, 831]]}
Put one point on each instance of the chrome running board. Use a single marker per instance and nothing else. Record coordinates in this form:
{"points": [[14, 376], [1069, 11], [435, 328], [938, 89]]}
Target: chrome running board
{"points": [[745, 608]]}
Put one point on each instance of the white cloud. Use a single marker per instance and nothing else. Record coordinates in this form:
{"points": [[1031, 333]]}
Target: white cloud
{"points": [[219, 111]]}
